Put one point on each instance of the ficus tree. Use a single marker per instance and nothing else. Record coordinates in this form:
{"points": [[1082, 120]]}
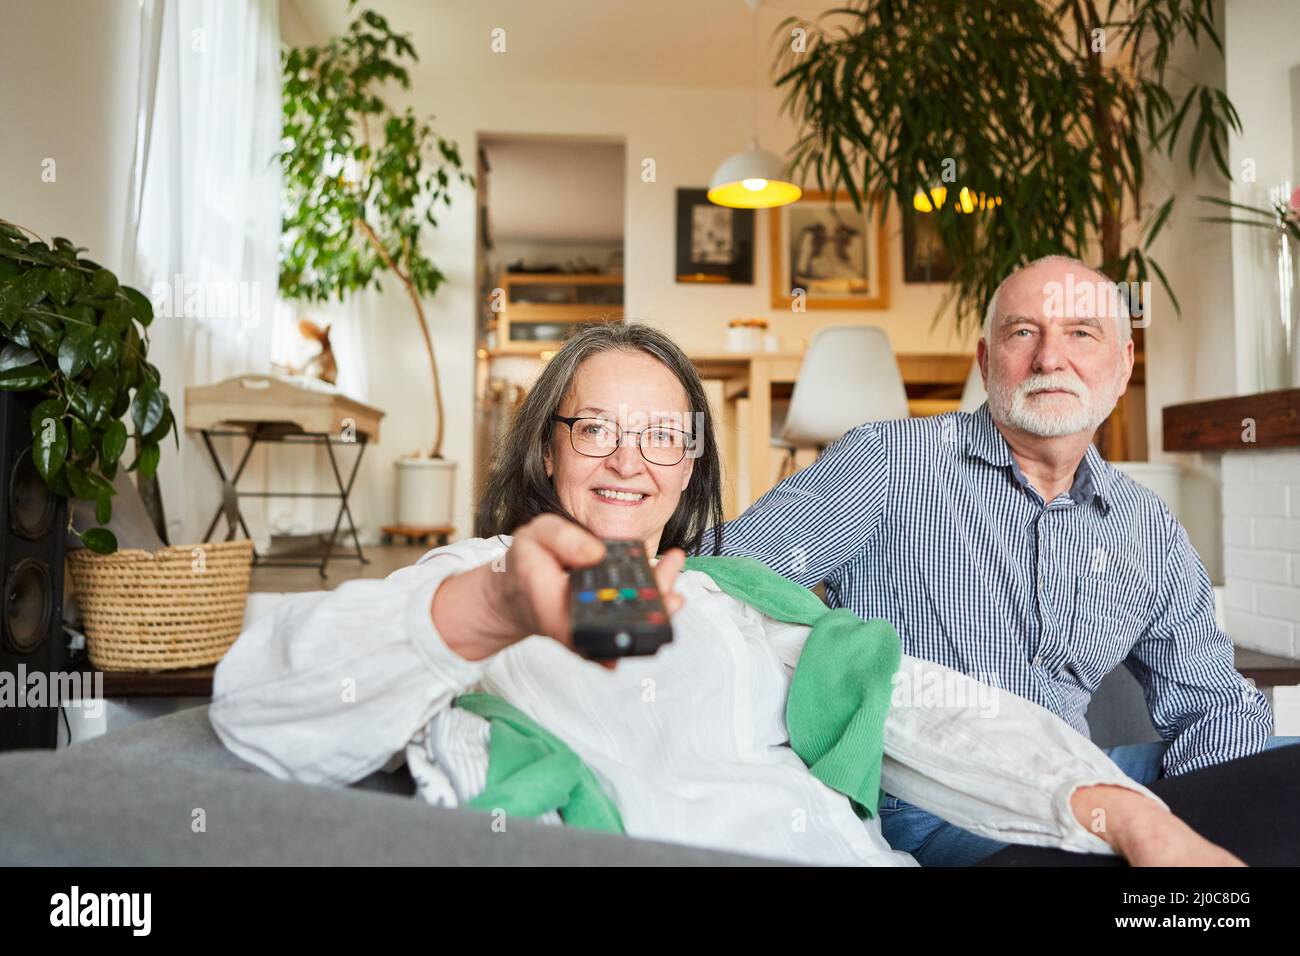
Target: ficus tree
{"points": [[361, 180]]}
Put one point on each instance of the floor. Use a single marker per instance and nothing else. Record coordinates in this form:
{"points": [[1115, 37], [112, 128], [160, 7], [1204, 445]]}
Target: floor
{"points": [[383, 560]]}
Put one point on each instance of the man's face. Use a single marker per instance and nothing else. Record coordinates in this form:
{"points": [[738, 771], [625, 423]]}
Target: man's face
{"points": [[1054, 365]]}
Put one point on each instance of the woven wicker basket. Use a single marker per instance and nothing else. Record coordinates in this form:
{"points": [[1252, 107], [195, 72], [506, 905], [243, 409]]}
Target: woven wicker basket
{"points": [[181, 606]]}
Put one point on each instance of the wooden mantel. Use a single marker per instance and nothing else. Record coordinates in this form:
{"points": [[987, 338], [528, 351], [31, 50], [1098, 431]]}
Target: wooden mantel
{"points": [[1217, 425]]}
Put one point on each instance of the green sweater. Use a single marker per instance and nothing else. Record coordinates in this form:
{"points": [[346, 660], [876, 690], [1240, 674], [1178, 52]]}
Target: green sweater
{"points": [[835, 713]]}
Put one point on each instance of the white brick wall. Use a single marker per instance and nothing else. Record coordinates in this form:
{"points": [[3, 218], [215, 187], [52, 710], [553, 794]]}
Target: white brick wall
{"points": [[1261, 536]]}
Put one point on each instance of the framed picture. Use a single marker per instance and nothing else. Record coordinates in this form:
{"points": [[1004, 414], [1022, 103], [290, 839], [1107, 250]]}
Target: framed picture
{"points": [[925, 257], [714, 243], [833, 253]]}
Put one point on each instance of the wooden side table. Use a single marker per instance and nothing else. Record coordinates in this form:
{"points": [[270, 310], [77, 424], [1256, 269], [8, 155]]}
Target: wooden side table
{"points": [[417, 533]]}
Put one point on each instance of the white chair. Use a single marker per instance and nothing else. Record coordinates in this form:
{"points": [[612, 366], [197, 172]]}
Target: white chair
{"points": [[973, 394], [849, 376]]}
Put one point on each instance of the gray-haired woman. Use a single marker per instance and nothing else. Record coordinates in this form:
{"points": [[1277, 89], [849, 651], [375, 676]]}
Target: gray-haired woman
{"points": [[691, 745]]}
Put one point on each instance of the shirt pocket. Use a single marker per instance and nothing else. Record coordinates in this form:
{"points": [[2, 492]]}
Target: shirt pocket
{"points": [[1110, 616]]}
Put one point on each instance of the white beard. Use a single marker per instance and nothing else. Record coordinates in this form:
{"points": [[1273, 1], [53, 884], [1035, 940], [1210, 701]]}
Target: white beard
{"points": [[1051, 416]]}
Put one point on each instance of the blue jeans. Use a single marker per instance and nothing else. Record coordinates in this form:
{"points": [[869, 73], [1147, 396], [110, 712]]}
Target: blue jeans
{"points": [[935, 842]]}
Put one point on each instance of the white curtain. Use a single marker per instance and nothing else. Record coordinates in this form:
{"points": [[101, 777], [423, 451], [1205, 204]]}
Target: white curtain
{"points": [[203, 232], [204, 222]]}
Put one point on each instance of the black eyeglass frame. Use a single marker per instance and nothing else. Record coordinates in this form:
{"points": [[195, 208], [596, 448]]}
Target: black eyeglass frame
{"points": [[686, 445]]}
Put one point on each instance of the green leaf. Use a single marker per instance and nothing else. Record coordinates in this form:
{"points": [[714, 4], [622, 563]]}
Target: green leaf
{"points": [[24, 378], [16, 356], [147, 460], [62, 285], [103, 283], [50, 449], [1159, 220], [147, 408], [74, 352], [81, 437], [81, 486], [163, 426], [113, 443], [103, 389], [31, 288], [100, 484], [47, 412], [10, 309], [78, 399], [141, 306], [104, 507], [99, 540], [105, 347]]}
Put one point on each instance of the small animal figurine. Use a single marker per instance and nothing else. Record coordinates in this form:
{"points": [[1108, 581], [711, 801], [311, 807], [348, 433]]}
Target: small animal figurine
{"points": [[321, 365]]}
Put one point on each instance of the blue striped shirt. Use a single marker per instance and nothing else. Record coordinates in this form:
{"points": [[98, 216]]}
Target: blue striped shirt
{"points": [[930, 524]]}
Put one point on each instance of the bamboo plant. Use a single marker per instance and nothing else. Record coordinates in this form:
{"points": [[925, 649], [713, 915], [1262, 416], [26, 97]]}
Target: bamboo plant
{"points": [[1051, 105]]}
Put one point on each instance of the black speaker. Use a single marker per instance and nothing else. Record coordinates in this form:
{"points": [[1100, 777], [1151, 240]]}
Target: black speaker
{"points": [[32, 640]]}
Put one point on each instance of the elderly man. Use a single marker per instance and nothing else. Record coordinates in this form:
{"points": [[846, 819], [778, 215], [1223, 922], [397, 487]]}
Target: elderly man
{"points": [[1001, 544]]}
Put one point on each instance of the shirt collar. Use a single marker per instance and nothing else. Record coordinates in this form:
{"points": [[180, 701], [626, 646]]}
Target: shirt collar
{"points": [[986, 442]]}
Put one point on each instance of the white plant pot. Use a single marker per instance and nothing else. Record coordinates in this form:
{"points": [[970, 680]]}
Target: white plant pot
{"points": [[424, 491]]}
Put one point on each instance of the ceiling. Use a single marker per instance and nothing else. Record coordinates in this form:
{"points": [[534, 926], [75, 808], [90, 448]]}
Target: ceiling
{"points": [[682, 43], [555, 189]]}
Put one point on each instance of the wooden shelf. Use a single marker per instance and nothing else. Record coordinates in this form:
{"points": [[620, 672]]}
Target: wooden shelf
{"points": [[1216, 425], [571, 311], [560, 278]]}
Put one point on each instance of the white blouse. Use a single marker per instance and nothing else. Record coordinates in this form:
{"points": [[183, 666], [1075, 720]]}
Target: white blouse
{"points": [[690, 743]]}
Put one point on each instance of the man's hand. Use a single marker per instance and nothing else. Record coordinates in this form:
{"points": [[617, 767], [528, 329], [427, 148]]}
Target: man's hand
{"points": [[1142, 831]]}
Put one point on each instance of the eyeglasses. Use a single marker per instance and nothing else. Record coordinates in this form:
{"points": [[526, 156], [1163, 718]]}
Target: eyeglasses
{"points": [[599, 438]]}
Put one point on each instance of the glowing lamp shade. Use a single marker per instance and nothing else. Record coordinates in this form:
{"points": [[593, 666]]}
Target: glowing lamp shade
{"points": [[923, 202], [754, 179]]}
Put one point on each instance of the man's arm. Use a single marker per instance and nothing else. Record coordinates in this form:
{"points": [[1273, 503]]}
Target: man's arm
{"points": [[1198, 701], [818, 519]]}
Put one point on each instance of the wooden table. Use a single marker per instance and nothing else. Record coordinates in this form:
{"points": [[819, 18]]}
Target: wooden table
{"points": [[269, 408], [933, 380]]}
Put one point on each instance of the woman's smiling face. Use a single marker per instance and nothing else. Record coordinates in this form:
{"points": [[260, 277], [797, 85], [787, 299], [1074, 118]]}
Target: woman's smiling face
{"points": [[622, 495]]}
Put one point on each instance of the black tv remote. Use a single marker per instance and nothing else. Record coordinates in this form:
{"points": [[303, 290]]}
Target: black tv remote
{"points": [[616, 606]]}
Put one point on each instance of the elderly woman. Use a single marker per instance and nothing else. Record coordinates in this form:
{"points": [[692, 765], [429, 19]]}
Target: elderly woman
{"points": [[690, 745]]}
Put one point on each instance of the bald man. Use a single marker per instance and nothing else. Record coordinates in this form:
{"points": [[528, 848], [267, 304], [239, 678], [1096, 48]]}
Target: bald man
{"points": [[1000, 544]]}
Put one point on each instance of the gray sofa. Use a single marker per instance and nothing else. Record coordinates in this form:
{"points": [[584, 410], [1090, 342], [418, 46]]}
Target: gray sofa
{"points": [[135, 797]]}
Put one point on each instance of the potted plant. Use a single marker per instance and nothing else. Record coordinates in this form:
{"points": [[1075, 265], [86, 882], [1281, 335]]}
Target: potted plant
{"points": [[361, 183], [74, 342]]}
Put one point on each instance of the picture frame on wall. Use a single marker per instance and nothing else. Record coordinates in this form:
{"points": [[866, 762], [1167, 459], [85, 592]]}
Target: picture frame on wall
{"points": [[925, 257], [715, 244], [831, 251]]}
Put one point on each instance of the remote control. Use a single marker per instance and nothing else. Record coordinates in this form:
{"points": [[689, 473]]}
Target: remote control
{"points": [[616, 607]]}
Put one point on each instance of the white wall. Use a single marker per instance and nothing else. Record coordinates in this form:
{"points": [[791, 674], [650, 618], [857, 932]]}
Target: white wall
{"points": [[556, 190], [67, 93], [1189, 356]]}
